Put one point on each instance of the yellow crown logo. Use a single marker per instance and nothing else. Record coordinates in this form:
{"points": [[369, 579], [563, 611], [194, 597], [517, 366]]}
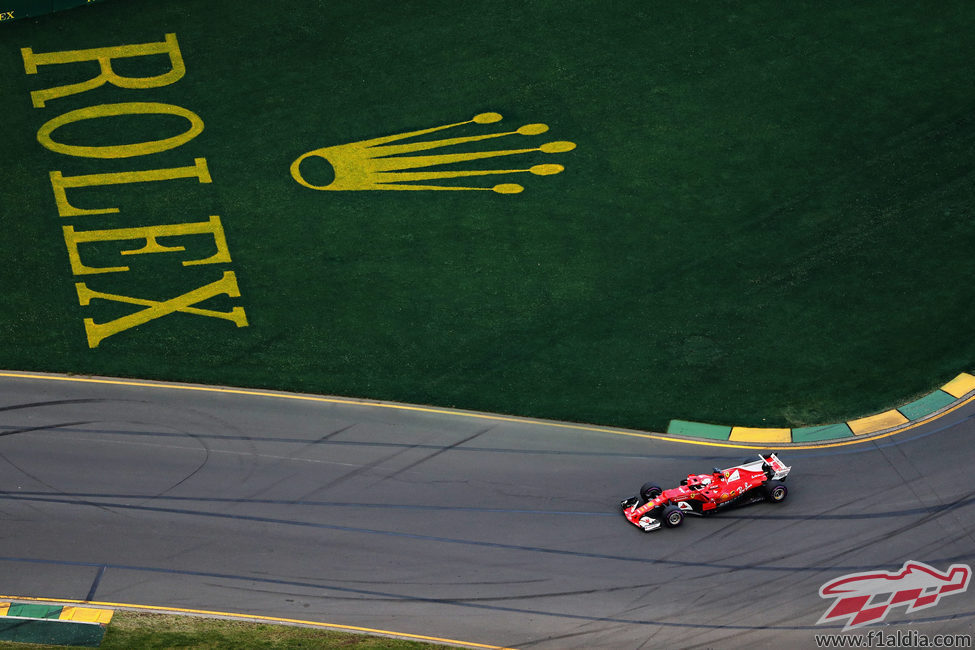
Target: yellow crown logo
{"points": [[378, 164]]}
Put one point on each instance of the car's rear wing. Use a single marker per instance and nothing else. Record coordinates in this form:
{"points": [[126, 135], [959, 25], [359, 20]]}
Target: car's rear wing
{"points": [[779, 469]]}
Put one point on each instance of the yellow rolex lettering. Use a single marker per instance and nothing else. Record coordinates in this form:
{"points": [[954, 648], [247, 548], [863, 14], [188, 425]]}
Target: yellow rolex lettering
{"points": [[119, 150], [104, 57], [61, 183], [98, 332], [102, 248], [150, 234]]}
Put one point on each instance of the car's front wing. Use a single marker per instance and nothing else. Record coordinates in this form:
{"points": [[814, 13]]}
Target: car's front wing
{"points": [[646, 523]]}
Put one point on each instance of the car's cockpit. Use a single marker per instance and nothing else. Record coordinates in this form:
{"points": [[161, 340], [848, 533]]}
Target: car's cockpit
{"points": [[697, 481]]}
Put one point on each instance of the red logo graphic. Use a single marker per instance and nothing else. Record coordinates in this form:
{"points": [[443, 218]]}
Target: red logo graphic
{"points": [[864, 598]]}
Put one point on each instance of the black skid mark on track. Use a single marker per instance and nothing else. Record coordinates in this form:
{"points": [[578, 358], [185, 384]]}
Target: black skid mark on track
{"points": [[194, 472], [44, 427], [435, 454], [61, 402], [37, 478], [347, 594], [928, 517], [308, 444], [468, 542]]}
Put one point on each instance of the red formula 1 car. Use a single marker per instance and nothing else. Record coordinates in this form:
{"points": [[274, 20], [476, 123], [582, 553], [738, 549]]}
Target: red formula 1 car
{"points": [[703, 494]]}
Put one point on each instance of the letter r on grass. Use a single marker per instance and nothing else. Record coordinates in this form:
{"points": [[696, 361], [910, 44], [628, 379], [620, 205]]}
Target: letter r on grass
{"points": [[104, 57]]}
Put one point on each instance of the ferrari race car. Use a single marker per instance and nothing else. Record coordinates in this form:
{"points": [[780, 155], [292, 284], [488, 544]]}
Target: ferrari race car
{"points": [[702, 494]]}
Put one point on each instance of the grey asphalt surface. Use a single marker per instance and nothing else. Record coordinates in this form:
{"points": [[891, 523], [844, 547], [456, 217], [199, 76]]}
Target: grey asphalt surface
{"points": [[455, 526]]}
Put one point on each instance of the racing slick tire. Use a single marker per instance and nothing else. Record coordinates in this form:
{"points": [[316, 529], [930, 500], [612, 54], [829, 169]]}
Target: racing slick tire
{"points": [[650, 491], [672, 516], [776, 491]]}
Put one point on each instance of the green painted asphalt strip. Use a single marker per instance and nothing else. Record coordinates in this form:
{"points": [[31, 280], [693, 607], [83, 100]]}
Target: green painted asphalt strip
{"points": [[34, 611], [926, 405], [825, 432], [698, 430]]}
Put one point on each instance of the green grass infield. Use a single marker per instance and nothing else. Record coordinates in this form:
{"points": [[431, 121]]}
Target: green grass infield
{"points": [[756, 214]]}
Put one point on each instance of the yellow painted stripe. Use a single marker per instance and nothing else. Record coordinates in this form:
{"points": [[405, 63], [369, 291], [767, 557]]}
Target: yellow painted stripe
{"points": [[87, 615], [960, 385], [650, 436], [261, 619], [878, 422], [4, 608], [755, 434]]}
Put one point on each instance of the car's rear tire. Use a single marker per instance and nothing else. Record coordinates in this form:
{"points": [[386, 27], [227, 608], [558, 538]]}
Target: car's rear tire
{"points": [[776, 491], [650, 491], [672, 516]]}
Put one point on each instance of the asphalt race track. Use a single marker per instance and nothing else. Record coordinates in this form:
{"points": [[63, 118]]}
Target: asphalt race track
{"points": [[453, 525]]}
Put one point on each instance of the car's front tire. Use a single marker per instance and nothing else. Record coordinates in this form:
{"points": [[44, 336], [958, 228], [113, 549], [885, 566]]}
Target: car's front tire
{"points": [[650, 491], [672, 516]]}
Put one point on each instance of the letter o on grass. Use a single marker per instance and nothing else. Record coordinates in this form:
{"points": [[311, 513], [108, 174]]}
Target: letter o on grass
{"points": [[119, 150]]}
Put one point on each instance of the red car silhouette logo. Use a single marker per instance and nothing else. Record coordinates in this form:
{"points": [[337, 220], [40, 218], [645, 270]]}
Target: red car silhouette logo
{"points": [[864, 598]]}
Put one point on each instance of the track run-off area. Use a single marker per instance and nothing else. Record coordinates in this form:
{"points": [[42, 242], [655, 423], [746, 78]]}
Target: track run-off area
{"points": [[479, 529]]}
